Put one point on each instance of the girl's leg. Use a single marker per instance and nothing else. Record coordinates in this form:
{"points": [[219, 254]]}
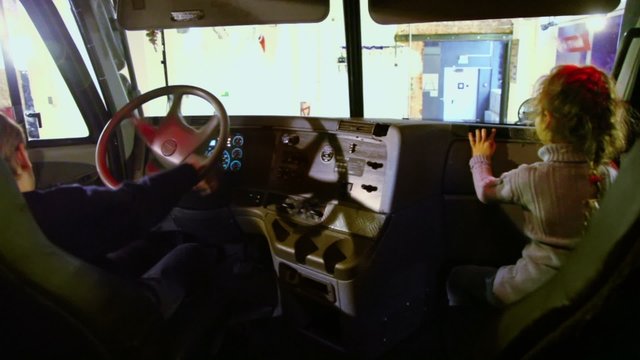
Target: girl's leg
{"points": [[471, 285]]}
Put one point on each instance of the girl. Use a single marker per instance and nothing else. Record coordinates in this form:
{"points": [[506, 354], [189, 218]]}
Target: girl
{"points": [[577, 120]]}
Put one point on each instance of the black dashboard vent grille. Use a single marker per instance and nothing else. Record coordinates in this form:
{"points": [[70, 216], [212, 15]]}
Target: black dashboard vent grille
{"points": [[363, 127]]}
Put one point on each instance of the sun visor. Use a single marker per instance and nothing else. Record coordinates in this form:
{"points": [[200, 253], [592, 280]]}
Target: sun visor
{"points": [[171, 14], [412, 11]]}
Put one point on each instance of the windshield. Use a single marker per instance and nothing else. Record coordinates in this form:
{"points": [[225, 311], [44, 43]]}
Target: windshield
{"points": [[286, 69], [466, 71]]}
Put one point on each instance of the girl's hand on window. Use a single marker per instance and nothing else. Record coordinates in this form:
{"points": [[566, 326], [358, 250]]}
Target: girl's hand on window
{"points": [[481, 143]]}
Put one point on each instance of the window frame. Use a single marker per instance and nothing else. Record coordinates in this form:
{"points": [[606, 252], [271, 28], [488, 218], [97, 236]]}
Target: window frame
{"points": [[52, 30]]}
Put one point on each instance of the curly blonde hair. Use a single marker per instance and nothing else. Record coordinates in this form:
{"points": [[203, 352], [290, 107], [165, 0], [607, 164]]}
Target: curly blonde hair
{"points": [[584, 111], [11, 135]]}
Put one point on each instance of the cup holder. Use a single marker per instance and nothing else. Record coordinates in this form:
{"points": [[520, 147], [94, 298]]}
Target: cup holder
{"points": [[303, 247], [337, 252], [322, 253], [327, 252]]}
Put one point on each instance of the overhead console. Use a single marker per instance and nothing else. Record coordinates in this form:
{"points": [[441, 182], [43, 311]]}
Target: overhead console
{"points": [[409, 11], [170, 14]]}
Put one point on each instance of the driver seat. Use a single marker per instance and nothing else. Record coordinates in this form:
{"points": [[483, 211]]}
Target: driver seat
{"points": [[56, 305]]}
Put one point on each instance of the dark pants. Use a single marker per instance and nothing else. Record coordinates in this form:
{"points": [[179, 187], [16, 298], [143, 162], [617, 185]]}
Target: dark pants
{"points": [[168, 267], [138, 257], [187, 270], [471, 285]]}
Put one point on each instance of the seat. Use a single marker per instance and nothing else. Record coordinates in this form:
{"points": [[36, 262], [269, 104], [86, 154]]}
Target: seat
{"points": [[589, 308], [56, 305]]}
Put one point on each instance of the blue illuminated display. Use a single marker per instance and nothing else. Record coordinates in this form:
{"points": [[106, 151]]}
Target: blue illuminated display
{"points": [[233, 155]]}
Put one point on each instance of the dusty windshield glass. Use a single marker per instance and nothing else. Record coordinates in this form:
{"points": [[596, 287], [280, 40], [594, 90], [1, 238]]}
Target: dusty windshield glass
{"points": [[476, 71], [289, 69]]}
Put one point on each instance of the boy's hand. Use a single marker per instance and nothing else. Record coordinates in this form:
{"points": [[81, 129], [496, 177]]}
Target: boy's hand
{"points": [[197, 161], [209, 182], [481, 144]]}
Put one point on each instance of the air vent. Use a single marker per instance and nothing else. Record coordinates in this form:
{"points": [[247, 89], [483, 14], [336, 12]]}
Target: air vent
{"points": [[363, 127]]}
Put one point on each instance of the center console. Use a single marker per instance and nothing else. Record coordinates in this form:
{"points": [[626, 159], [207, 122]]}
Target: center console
{"points": [[322, 195]]}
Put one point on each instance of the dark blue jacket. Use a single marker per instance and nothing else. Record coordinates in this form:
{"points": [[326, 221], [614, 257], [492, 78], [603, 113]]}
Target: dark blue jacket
{"points": [[91, 221]]}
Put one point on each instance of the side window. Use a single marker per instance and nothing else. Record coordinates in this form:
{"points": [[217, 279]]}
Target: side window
{"points": [[29, 73]]}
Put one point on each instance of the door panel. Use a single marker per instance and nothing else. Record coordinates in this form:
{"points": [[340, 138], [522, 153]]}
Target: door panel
{"points": [[64, 164], [478, 233]]}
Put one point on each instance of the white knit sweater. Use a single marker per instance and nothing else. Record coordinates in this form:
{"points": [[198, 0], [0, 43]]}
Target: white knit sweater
{"points": [[553, 195]]}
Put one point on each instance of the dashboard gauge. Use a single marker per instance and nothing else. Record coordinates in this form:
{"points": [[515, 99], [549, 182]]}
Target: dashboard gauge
{"points": [[237, 140], [236, 153], [232, 154], [226, 159], [210, 147], [235, 165]]}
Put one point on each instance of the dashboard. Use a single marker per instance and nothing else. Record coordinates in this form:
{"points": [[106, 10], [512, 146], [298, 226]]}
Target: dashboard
{"points": [[320, 166], [353, 211]]}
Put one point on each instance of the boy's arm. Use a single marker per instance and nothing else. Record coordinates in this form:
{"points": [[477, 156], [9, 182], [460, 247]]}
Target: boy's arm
{"points": [[91, 220], [150, 200]]}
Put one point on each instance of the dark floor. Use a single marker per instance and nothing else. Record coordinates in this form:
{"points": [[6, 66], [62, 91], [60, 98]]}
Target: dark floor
{"points": [[271, 338]]}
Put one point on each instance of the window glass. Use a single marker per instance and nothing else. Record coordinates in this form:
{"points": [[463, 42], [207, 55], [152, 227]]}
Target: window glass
{"points": [[50, 110], [476, 71], [289, 69], [5, 100]]}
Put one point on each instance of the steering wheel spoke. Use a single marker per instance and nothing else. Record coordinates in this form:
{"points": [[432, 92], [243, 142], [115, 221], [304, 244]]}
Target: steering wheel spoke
{"points": [[175, 101], [174, 141], [144, 129]]}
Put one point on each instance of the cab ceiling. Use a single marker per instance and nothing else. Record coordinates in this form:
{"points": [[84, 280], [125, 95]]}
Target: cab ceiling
{"points": [[167, 14], [170, 14], [413, 11]]}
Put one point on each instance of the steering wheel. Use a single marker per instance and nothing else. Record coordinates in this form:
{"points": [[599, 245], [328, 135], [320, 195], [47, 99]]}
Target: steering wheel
{"points": [[172, 141]]}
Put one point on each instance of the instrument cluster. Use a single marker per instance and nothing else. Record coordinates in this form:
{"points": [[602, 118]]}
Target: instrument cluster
{"points": [[233, 155]]}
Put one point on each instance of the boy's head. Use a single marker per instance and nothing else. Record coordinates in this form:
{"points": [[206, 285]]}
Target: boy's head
{"points": [[13, 150], [578, 105]]}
